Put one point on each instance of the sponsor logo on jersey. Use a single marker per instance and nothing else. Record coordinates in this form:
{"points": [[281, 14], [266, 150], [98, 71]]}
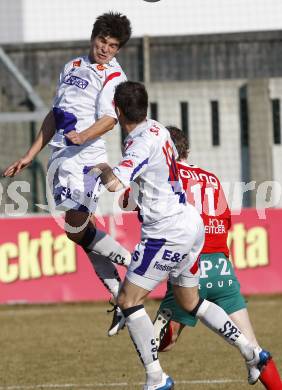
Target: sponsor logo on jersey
{"points": [[127, 163], [101, 67], [155, 130], [215, 226], [175, 257], [163, 267], [76, 64], [204, 177], [75, 80]]}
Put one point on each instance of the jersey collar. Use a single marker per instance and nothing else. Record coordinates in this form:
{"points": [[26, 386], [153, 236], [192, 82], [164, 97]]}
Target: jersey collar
{"points": [[138, 129]]}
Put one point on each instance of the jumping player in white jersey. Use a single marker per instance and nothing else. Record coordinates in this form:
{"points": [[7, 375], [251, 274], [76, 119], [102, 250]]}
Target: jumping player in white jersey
{"points": [[82, 112], [172, 234]]}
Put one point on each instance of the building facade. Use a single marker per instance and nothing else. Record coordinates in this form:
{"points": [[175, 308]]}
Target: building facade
{"points": [[223, 90]]}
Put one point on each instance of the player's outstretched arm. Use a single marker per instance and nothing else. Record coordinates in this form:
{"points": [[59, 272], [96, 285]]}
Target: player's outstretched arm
{"points": [[102, 126], [44, 136]]}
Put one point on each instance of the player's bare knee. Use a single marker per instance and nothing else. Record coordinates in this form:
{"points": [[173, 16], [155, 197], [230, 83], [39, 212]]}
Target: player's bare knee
{"points": [[121, 301], [189, 304], [187, 297], [125, 302], [192, 304]]}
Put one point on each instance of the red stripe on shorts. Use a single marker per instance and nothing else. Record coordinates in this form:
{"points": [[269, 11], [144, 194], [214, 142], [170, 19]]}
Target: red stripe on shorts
{"points": [[195, 266]]}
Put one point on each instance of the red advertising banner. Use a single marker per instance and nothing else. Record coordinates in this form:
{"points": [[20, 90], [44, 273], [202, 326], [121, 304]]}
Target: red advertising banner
{"points": [[39, 264], [256, 247]]}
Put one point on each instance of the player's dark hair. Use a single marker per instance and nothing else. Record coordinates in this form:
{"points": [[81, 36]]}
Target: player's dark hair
{"points": [[114, 25], [132, 99], [180, 141]]}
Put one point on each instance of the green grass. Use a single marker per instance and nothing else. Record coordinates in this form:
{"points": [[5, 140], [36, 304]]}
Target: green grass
{"points": [[68, 344]]}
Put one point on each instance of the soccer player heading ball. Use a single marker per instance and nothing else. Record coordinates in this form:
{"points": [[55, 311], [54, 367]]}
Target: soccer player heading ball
{"points": [[82, 112]]}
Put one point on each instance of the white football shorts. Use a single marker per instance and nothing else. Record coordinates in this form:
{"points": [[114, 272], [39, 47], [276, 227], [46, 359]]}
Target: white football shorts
{"points": [[157, 259], [72, 183]]}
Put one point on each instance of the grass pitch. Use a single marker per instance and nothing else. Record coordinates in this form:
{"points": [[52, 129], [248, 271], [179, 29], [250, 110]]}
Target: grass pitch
{"points": [[66, 347]]}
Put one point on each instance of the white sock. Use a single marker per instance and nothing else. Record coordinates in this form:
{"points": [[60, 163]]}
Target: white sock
{"points": [[245, 347], [105, 245], [106, 272], [153, 373], [216, 319], [141, 331]]}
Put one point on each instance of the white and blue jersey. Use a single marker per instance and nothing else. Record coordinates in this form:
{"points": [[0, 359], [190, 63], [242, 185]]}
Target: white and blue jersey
{"points": [[149, 166], [172, 230], [84, 94]]}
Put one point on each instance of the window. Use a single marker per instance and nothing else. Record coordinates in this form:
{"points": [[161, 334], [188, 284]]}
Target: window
{"points": [[244, 121], [154, 111], [276, 121], [215, 123], [184, 108]]}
